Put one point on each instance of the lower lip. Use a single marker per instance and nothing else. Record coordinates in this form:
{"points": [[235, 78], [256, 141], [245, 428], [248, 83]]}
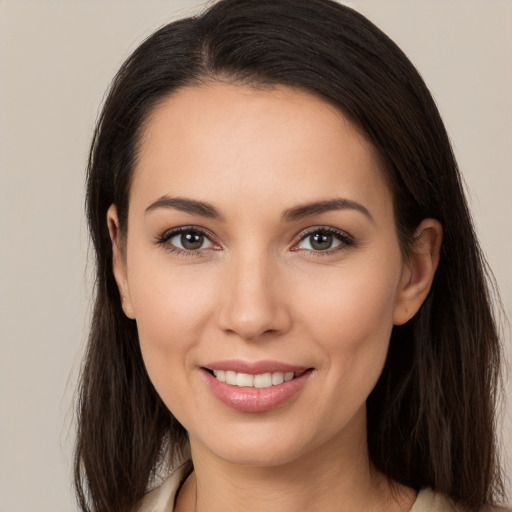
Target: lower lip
{"points": [[255, 399]]}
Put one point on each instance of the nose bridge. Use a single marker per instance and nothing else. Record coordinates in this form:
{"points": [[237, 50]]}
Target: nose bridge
{"points": [[252, 304]]}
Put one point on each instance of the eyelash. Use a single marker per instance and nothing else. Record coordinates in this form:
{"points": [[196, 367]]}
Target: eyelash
{"points": [[344, 238], [163, 240]]}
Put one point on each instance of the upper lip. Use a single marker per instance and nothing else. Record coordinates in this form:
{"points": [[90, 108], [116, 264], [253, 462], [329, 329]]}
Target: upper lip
{"points": [[255, 367]]}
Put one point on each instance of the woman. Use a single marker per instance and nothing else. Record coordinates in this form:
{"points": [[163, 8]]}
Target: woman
{"points": [[291, 309]]}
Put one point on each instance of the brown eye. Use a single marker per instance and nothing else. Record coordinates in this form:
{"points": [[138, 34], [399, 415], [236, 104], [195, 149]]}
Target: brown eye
{"points": [[189, 240], [192, 240], [319, 240]]}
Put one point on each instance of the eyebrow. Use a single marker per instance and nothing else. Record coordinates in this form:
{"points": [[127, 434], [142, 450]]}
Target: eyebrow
{"points": [[186, 205], [292, 214], [306, 210]]}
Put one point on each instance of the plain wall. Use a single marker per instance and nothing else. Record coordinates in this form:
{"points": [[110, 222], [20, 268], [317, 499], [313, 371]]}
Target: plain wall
{"points": [[56, 61]]}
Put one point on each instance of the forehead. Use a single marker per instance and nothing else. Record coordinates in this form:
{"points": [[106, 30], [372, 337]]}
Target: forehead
{"points": [[220, 141]]}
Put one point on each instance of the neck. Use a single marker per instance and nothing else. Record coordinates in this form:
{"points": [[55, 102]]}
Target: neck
{"points": [[337, 476]]}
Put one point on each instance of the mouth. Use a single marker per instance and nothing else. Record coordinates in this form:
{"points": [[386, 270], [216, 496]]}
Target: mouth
{"points": [[255, 387], [259, 381]]}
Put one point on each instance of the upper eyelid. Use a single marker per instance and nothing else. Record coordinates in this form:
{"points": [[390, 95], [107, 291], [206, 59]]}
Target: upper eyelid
{"points": [[169, 233], [163, 241], [308, 231]]}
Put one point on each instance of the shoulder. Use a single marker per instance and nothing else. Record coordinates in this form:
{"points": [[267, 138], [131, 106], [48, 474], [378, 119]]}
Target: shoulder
{"points": [[430, 501], [162, 498]]}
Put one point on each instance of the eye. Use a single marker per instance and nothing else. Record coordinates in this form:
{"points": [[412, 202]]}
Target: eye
{"points": [[186, 240], [190, 241], [323, 240]]}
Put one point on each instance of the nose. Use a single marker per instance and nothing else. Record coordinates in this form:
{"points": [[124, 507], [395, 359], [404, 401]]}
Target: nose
{"points": [[253, 304]]}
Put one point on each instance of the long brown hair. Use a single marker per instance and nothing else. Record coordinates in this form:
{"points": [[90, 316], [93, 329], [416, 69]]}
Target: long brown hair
{"points": [[431, 416]]}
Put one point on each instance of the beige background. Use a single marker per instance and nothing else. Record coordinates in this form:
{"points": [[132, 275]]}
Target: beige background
{"points": [[56, 60]]}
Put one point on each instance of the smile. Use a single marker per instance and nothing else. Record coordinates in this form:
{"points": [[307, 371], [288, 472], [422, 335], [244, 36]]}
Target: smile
{"points": [[255, 387], [246, 380]]}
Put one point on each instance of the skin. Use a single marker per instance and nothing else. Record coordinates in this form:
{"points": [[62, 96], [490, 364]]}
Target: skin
{"points": [[258, 290]]}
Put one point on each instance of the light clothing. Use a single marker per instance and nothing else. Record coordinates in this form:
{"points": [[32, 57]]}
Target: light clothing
{"points": [[162, 498]]}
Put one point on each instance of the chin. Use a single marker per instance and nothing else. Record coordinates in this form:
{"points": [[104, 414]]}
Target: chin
{"points": [[257, 456], [271, 446]]}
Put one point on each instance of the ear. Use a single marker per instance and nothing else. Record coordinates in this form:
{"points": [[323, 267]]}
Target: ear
{"points": [[119, 261], [419, 270]]}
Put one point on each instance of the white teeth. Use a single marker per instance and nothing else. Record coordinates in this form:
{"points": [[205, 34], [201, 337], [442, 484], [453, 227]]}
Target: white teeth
{"points": [[263, 380], [277, 378], [231, 378], [245, 380]]}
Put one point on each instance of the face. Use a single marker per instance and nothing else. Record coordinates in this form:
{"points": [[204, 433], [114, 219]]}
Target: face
{"points": [[263, 269]]}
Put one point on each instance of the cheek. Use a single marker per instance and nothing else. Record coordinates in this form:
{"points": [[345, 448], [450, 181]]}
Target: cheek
{"points": [[352, 303], [170, 300], [351, 317], [350, 324], [172, 305]]}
